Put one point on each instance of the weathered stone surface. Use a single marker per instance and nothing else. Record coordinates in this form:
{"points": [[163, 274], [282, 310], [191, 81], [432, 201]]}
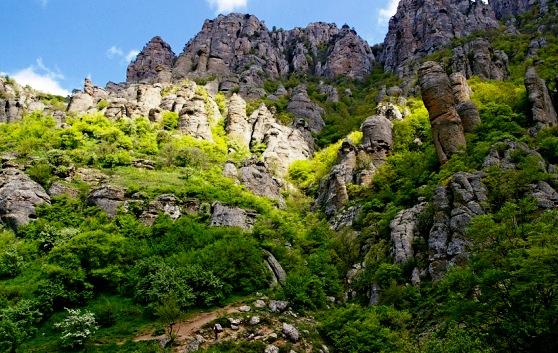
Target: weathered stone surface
{"points": [[377, 137], [290, 332], [454, 206], [163, 204], [329, 91], [350, 57], [80, 103], [108, 198], [59, 189], [403, 232], [437, 94], [153, 64], [542, 109], [256, 177], [279, 274], [478, 58], [421, 27], [226, 216], [19, 195], [237, 125], [509, 8], [302, 107], [333, 194], [467, 110], [194, 119], [278, 306]]}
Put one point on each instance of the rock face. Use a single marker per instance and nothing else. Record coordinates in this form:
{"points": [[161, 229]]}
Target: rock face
{"points": [[403, 231], [163, 204], [478, 58], [421, 27], [108, 198], [225, 216], [242, 52], [356, 165], [509, 8], [194, 119], [153, 64], [542, 109], [454, 207], [467, 110], [255, 176], [19, 195], [283, 144], [437, 94], [301, 106], [279, 274]]}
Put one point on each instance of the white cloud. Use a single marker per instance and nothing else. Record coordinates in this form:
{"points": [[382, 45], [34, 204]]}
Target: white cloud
{"points": [[226, 6], [132, 55], [387, 11], [41, 78], [115, 52]]}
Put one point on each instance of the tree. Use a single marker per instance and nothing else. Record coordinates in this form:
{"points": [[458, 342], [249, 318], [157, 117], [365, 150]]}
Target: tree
{"points": [[77, 328]]}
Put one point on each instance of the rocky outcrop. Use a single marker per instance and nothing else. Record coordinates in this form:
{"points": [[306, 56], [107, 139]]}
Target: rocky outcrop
{"points": [[510, 8], [153, 64], [302, 107], [333, 194], [420, 27], [437, 94], [542, 109], [254, 175], [356, 164], [226, 216], [279, 274], [237, 126], [404, 229], [163, 204], [467, 110], [108, 198], [349, 57], [194, 119], [19, 196], [478, 58], [454, 206]]}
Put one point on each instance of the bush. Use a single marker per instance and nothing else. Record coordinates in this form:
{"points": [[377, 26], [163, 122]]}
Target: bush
{"points": [[77, 328], [170, 120]]}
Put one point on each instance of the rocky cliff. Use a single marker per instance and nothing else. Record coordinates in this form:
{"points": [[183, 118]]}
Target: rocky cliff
{"points": [[242, 52]]}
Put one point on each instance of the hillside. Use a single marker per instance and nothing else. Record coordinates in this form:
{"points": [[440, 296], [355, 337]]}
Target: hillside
{"points": [[271, 190]]}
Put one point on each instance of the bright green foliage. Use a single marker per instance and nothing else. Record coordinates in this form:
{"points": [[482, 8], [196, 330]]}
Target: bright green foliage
{"points": [[170, 120], [77, 328]]}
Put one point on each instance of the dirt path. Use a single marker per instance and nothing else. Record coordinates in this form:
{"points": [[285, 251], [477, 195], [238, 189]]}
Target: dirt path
{"points": [[189, 327]]}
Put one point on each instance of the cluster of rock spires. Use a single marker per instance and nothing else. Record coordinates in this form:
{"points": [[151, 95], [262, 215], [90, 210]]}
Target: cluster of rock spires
{"points": [[421, 27], [242, 52]]}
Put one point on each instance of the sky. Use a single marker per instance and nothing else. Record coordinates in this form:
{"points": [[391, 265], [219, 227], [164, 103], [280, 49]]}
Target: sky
{"points": [[52, 45]]}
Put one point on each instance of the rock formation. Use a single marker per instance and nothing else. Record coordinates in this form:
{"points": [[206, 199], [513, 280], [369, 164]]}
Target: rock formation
{"points": [[108, 198], [420, 27], [437, 94], [454, 207], [226, 216], [478, 58], [153, 64], [301, 106], [542, 109], [510, 8], [237, 125], [403, 232], [242, 52], [163, 204], [466, 109], [19, 195]]}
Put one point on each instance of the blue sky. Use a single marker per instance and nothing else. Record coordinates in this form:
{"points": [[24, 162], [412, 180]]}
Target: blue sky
{"points": [[53, 44]]}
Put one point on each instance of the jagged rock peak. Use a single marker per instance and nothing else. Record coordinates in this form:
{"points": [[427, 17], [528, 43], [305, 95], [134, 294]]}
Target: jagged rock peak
{"points": [[421, 27], [509, 8], [153, 63], [239, 49]]}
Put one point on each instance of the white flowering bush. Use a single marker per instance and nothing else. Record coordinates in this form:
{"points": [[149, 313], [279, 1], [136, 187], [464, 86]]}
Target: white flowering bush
{"points": [[77, 327]]}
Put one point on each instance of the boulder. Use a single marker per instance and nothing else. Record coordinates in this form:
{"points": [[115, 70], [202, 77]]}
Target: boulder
{"points": [[437, 95], [226, 216], [163, 204], [278, 306], [19, 196], [108, 198], [377, 137], [279, 274], [255, 177], [290, 332]]}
